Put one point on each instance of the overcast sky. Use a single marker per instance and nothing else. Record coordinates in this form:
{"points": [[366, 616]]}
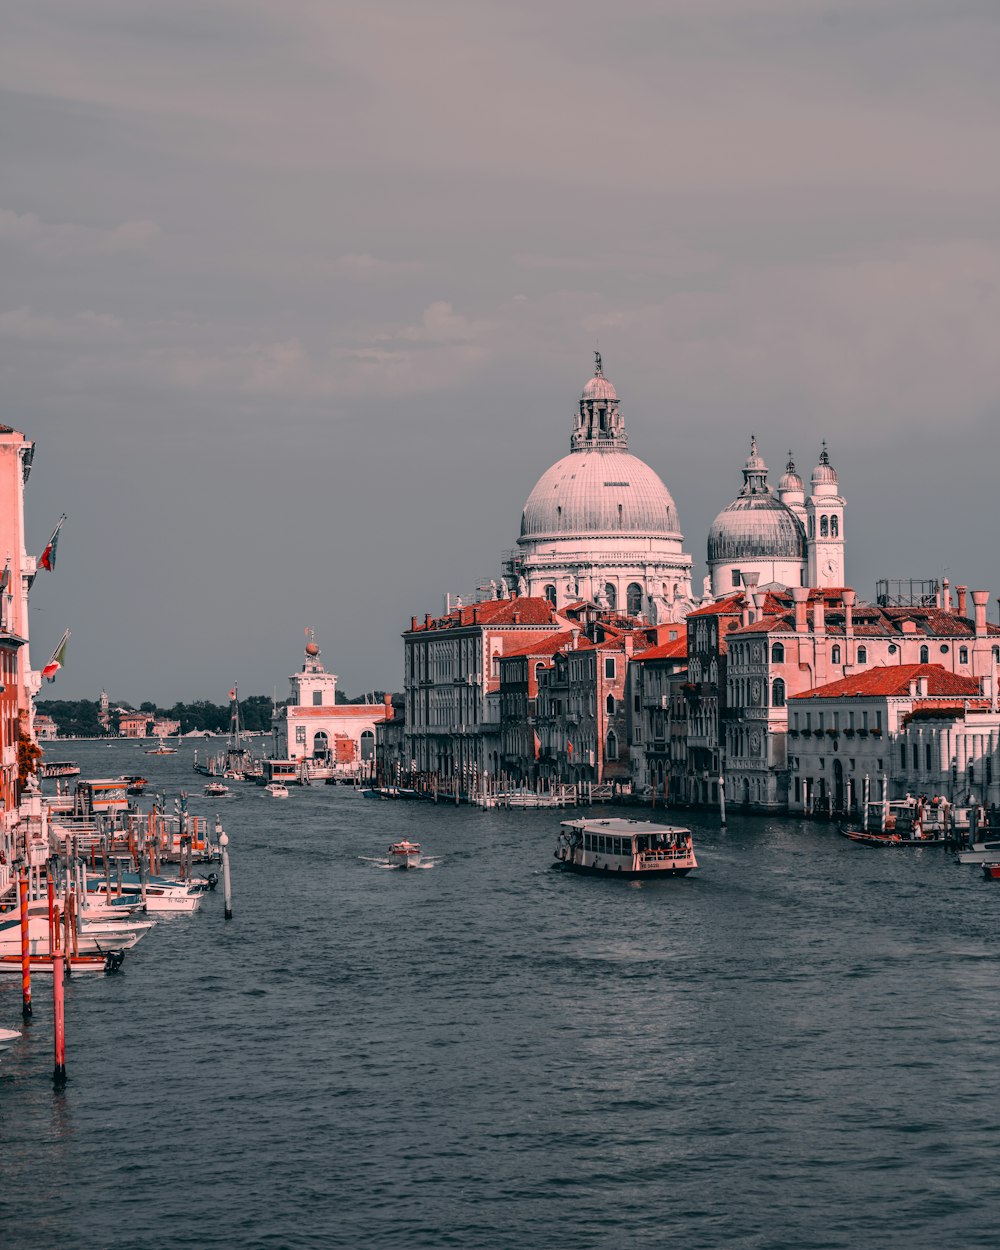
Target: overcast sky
{"points": [[298, 297]]}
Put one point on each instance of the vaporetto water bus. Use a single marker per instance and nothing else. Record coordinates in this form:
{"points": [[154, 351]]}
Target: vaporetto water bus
{"points": [[625, 848]]}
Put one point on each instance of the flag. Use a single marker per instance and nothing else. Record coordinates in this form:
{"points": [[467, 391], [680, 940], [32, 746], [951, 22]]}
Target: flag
{"points": [[47, 560], [569, 748], [56, 660], [538, 744]]}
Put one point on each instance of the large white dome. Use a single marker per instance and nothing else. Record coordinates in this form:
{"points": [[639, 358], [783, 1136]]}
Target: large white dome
{"points": [[599, 492]]}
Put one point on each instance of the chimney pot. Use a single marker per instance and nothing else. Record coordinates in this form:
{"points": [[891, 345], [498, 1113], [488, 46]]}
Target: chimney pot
{"points": [[961, 592], [980, 598]]}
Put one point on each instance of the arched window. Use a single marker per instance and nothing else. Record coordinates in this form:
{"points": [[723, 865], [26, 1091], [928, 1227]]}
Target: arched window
{"points": [[862, 655], [835, 653], [538, 668], [778, 693], [824, 526], [633, 599], [367, 745], [925, 655], [996, 655], [963, 655], [834, 527], [321, 745], [550, 594], [611, 594], [610, 704], [812, 527], [611, 753], [777, 653]]}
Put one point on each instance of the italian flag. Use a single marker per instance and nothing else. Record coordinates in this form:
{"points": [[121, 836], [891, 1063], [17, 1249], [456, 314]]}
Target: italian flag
{"points": [[56, 660], [47, 560]]}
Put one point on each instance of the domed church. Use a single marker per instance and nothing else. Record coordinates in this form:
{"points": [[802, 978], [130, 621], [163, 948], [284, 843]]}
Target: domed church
{"points": [[601, 525], [783, 538]]}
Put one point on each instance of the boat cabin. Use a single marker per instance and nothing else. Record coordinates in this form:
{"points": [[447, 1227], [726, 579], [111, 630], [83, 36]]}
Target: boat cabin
{"points": [[281, 772], [94, 798]]}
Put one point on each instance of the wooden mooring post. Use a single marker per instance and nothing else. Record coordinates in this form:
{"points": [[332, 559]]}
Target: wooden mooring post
{"points": [[22, 894]]}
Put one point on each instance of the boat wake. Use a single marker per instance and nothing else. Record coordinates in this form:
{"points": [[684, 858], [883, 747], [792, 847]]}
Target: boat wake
{"points": [[387, 863]]}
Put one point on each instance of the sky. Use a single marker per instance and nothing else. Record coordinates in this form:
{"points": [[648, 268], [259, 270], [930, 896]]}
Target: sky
{"points": [[298, 299]]}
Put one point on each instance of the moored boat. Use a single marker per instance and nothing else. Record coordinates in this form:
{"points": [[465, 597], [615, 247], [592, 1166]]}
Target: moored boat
{"points": [[625, 848], [59, 768], [991, 871]]}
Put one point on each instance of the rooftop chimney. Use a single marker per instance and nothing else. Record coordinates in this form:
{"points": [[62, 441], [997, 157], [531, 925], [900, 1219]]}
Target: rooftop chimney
{"points": [[922, 687], [413, 623], [848, 598], [961, 591], [800, 595], [980, 598], [946, 587], [819, 616], [389, 710], [427, 621]]}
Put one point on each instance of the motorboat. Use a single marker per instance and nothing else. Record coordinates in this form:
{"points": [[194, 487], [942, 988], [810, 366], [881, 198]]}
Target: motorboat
{"points": [[276, 790], [8, 1037], [135, 784], [405, 854], [216, 790], [870, 837], [980, 853], [625, 848], [991, 871], [109, 961]]}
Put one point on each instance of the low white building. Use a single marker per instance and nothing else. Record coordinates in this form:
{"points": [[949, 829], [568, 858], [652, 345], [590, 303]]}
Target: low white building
{"points": [[843, 732], [315, 726]]}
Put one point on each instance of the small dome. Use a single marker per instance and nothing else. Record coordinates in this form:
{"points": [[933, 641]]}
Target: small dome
{"points": [[756, 527], [312, 649], [599, 492], [599, 387], [824, 473], [790, 480]]}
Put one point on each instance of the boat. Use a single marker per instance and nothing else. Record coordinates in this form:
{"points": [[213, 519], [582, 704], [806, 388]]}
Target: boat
{"points": [[405, 854], [216, 789], [625, 848], [276, 790], [59, 768], [869, 837], [109, 961], [391, 792], [991, 870], [980, 853], [135, 784], [902, 822], [163, 749], [8, 1037]]}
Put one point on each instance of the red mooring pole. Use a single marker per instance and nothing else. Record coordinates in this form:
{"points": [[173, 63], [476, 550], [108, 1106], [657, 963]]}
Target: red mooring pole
{"points": [[22, 892], [58, 1021]]}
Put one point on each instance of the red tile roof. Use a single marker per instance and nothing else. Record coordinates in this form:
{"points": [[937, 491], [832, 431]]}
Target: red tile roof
{"points": [[548, 644], [893, 681], [730, 605], [494, 612], [676, 650]]}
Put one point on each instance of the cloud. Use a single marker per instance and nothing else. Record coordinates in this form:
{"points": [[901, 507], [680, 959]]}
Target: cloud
{"points": [[67, 239], [23, 325]]}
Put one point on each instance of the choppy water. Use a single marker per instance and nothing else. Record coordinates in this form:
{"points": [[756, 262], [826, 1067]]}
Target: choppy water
{"points": [[794, 1047]]}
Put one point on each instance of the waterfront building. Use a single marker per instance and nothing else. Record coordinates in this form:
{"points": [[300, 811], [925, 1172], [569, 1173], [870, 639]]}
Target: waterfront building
{"points": [[883, 724], [314, 726], [601, 525], [783, 538], [520, 745], [704, 694], [46, 730], [582, 715], [134, 724], [657, 731], [788, 643], [950, 747]]}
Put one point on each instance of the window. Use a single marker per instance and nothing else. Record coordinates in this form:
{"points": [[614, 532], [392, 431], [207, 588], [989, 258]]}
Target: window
{"points": [[824, 526], [611, 594], [550, 594], [916, 757], [925, 655], [612, 747], [963, 655], [834, 527], [737, 579], [633, 598], [927, 756], [835, 654], [609, 666], [317, 698], [812, 527], [300, 734], [610, 704], [636, 703], [777, 653], [778, 693], [863, 654]]}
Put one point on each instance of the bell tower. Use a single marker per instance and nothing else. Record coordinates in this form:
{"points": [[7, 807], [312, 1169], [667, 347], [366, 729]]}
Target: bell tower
{"points": [[825, 526]]}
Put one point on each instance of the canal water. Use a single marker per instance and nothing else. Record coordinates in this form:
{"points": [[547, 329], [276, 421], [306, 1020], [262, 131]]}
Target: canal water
{"points": [[793, 1048]]}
